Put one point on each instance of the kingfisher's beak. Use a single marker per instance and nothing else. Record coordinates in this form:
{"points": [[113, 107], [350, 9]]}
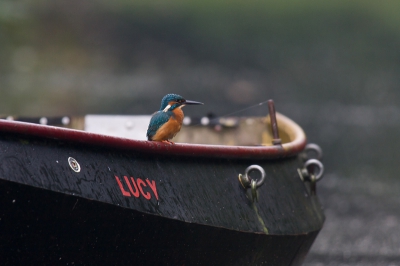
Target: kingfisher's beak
{"points": [[187, 102]]}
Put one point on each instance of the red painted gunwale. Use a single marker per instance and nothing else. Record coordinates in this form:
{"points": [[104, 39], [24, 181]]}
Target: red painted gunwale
{"points": [[149, 147]]}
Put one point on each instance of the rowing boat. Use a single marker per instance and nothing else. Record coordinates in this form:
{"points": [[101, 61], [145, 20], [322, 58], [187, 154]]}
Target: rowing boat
{"points": [[83, 190]]}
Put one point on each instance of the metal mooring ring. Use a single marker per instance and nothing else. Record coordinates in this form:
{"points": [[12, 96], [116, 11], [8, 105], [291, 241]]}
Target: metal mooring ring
{"points": [[319, 165], [315, 148], [259, 168]]}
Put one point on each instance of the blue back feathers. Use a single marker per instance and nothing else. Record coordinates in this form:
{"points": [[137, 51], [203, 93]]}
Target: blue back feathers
{"points": [[157, 120]]}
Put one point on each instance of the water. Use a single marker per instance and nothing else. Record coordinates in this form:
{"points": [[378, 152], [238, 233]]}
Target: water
{"points": [[360, 189]]}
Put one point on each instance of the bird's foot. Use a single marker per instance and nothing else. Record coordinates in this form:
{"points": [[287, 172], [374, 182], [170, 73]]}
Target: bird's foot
{"points": [[167, 141]]}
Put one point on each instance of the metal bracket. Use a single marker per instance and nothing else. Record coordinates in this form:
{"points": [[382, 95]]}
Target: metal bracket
{"points": [[312, 148]]}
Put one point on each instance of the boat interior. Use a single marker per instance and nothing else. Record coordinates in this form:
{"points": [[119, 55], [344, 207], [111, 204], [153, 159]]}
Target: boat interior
{"points": [[231, 131]]}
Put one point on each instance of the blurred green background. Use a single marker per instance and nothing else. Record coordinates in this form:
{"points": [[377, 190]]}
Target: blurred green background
{"points": [[332, 66], [76, 57]]}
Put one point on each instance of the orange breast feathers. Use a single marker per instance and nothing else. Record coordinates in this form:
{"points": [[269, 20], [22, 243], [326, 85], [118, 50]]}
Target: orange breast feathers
{"points": [[169, 129]]}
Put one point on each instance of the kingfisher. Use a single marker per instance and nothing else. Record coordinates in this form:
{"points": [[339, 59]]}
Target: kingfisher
{"points": [[167, 122]]}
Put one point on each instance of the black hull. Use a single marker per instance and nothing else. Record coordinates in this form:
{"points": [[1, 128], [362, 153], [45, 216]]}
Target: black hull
{"points": [[47, 228], [145, 207]]}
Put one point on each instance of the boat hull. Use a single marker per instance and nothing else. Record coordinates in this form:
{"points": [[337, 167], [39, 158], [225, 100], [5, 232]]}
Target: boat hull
{"points": [[75, 202], [45, 227]]}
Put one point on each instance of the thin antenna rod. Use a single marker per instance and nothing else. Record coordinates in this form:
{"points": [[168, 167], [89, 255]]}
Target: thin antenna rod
{"points": [[274, 123]]}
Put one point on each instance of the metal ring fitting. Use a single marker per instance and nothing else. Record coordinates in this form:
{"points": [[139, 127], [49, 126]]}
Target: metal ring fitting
{"points": [[245, 179], [259, 168], [314, 148], [253, 184], [319, 165]]}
